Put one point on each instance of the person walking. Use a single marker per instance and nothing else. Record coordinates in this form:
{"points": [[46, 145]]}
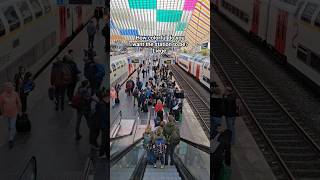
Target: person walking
{"points": [[148, 138], [216, 111], [114, 96], [91, 31], [60, 78], [172, 135], [73, 68], [18, 78], [159, 109], [84, 108], [25, 89], [160, 147], [230, 106], [102, 111], [10, 107]]}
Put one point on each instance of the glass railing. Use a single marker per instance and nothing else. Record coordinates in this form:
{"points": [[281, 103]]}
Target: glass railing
{"points": [[195, 160], [30, 170], [124, 168]]}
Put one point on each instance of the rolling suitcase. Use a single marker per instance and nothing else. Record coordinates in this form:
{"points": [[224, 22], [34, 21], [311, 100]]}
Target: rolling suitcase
{"points": [[23, 123]]}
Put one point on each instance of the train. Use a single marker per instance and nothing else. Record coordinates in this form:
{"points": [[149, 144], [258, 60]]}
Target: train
{"points": [[122, 66], [290, 28], [197, 66], [32, 31]]}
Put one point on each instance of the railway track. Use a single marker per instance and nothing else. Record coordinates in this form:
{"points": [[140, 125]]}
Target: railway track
{"points": [[199, 103], [296, 154]]}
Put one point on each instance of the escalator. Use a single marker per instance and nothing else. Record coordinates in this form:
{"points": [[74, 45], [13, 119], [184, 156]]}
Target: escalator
{"points": [[192, 161]]}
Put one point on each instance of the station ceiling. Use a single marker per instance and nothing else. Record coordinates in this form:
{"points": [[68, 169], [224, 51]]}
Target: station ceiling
{"points": [[189, 18]]}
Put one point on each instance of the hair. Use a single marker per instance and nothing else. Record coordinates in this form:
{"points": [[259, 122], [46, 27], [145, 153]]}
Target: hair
{"points": [[148, 129]]}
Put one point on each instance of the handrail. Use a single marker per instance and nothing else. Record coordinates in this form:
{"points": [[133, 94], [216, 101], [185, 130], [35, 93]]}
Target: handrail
{"points": [[201, 147], [182, 169], [139, 170], [116, 124], [117, 156], [87, 168], [32, 161]]}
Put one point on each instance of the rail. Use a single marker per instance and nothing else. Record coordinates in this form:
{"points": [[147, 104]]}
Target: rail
{"points": [[30, 170], [86, 171], [200, 106]]}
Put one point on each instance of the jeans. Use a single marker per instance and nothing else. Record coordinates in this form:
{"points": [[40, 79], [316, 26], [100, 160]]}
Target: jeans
{"points": [[230, 125], [169, 152], [12, 127], [215, 122], [161, 159], [104, 147], [150, 156], [90, 42], [87, 115], [59, 96]]}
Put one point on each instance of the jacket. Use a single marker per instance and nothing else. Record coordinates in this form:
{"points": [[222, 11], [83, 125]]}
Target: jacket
{"points": [[102, 114], [168, 129], [91, 29], [158, 107]]}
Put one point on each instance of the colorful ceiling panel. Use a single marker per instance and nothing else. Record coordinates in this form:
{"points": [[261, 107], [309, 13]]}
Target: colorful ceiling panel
{"points": [[130, 18]]}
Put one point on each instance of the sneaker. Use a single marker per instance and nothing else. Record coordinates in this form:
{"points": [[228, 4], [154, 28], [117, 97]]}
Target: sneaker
{"points": [[10, 144], [162, 166], [155, 165]]}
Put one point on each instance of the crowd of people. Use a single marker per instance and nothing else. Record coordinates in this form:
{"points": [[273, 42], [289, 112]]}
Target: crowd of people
{"points": [[155, 87]]}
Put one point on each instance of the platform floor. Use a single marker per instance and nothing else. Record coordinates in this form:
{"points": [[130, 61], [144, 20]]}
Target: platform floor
{"points": [[247, 161], [52, 139]]}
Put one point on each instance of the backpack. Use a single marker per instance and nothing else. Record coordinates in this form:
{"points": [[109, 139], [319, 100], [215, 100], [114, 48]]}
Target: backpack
{"points": [[175, 137], [100, 72], [76, 101], [27, 86], [67, 74]]}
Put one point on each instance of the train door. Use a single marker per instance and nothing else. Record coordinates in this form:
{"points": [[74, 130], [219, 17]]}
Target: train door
{"points": [[198, 72], [62, 24], [190, 67], [281, 31], [79, 15], [255, 17]]}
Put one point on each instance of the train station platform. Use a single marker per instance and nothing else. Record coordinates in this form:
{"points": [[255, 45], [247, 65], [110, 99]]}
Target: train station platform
{"points": [[192, 158], [52, 138], [247, 160]]}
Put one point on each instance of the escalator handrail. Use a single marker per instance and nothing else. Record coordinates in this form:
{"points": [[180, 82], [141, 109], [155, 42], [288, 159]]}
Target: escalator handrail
{"points": [[87, 168], [34, 161], [138, 172], [201, 147], [117, 156], [182, 169]]}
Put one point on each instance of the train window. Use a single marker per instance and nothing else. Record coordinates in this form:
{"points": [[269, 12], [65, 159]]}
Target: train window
{"points": [[36, 7], [302, 53], [2, 28], [317, 21], [25, 11], [308, 12], [46, 5], [315, 61], [12, 17]]}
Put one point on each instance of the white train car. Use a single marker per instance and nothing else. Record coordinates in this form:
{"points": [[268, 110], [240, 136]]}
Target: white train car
{"points": [[290, 28], [196, 66], [32, 31]]}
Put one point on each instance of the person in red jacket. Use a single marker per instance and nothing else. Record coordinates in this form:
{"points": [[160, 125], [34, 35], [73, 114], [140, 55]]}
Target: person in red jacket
{"points": [[158, 108], [10, 106]]}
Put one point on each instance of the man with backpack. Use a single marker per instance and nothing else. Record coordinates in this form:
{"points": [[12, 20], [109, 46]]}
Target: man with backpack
{"points": [[72, 66], [95, 73], [61, 77], [172, 135], [83, 106]]}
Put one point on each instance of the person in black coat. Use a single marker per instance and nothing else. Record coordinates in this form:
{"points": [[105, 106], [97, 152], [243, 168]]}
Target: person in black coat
{"points": [[220, 152], [230, 110]]}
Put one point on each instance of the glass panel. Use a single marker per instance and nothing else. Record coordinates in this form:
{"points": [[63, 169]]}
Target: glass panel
{"points": [[46, 6], [2, 28], [315, 61], [308, 12], [36, 7], [124, 168], [25, 11], [12, 17], [195, 160]]}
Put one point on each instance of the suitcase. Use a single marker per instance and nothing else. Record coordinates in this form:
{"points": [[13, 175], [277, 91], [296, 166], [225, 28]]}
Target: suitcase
{"points": [[117, 101], [23, 123]]}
